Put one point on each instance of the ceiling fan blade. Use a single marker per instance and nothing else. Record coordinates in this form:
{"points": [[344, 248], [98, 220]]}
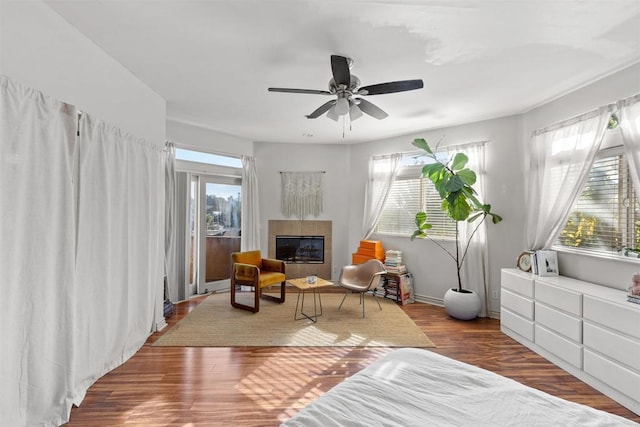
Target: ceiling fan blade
{"points": [[371, 109], [340, 70], [321, 109], [391, 87], [311, 91]]}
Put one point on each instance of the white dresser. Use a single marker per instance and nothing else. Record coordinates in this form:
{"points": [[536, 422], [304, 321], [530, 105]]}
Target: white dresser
{"points": [[591, 331]]}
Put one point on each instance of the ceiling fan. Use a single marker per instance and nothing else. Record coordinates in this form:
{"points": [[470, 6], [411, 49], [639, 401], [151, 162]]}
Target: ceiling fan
{"points": [[346, 87]]}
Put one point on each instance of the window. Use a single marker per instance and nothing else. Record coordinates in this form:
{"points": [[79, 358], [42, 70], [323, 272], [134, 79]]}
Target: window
{"points": [[606, 217], [409, 195], [208, 158]]}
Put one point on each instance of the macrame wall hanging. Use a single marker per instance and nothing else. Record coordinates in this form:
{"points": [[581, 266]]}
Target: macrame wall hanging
{"points": [[301, 194]]}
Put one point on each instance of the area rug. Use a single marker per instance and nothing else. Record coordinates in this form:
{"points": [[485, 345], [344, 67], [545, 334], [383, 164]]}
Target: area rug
{"points": [[214, 323]]}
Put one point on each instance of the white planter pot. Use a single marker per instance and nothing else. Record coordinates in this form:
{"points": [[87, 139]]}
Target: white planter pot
{"points": [[465, 305]]}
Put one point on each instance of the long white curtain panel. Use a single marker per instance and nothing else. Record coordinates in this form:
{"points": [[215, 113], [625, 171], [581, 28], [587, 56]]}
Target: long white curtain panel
{"points": [[37, 256], [81, 252], [559, 160], [120, 247]]}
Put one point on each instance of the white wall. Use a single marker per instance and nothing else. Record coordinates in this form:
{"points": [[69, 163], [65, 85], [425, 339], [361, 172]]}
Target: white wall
{"points": [[271, 158], [432, 269], [38, 48], [614, 273], [199, 138]]}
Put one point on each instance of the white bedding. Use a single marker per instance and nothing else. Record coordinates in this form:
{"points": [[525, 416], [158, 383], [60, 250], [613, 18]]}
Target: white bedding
{"points": [[413, 387]]}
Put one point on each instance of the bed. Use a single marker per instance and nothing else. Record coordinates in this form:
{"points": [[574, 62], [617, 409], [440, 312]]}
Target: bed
{"points": [[414, 387]]}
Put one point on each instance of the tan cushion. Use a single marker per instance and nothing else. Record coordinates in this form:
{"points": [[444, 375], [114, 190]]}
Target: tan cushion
{"points": [[249, 257], [246, 272], [268, 278]]}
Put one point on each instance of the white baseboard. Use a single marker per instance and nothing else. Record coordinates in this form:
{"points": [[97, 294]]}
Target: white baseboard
{"points": [[430, 300], [160, 325]]}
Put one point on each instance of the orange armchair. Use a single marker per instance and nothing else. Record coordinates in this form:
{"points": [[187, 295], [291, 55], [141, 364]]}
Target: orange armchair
{"points": [[250, 269]]}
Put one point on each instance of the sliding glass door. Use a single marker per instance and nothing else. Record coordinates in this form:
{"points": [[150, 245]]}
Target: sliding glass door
{"points": [[214, 212], [216, 208]]}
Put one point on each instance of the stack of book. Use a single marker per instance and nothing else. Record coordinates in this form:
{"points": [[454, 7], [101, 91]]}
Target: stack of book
{"points": [[368, 249], [399, 288], [393, 262]]}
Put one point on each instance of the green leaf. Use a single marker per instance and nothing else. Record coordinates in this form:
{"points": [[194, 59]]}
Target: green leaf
{"points": [[418, 234], [422, 224], [470, 194], [432, 171], [459, 210], [454, 184], [495, 218], [459, 161], [475, 216], [468, 176], [421, 143]]}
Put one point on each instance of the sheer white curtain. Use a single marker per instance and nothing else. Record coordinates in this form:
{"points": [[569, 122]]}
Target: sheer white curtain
{"points": [[382, 172], [564, 154], [629, 116], [170, 223], [120, 251], [182, 237], [37, 255], [475, 270], [250, 238]]}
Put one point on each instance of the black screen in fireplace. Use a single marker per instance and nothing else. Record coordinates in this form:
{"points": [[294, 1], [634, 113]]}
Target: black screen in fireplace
{"points": [[300, 249]]}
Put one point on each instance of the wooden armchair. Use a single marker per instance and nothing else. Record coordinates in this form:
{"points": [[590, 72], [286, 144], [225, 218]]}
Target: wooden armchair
{"points": [[250, 269]]}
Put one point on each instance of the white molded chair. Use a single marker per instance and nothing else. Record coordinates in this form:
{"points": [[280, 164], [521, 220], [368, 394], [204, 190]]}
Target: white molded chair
{"points": [[361, 278]]}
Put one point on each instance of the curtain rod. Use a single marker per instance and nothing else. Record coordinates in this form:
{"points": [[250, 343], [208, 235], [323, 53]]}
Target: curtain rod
{"points": [[450, 147], [575, 119]]}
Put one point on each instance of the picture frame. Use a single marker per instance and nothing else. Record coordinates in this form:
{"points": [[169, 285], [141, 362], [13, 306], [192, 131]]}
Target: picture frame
{"points": [[547, 263]]}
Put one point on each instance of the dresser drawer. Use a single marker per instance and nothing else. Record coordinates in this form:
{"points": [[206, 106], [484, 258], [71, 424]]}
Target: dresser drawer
{"points": [[565, 349], [517, 282], [618, 377], [517, 304], [517, 324], [622, 317], [612, 345], [564, 324], [561, 298]]}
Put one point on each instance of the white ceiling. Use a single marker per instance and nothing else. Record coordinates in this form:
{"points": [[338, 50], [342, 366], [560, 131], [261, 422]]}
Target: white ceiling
{"points": [[214, 60]]}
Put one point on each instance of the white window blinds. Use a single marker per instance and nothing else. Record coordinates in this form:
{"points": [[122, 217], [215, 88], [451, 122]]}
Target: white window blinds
{"points": [[606, 216], [409, 195]]}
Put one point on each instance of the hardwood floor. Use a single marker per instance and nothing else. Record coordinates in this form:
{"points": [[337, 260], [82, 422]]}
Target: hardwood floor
{"points": [[263, 386]]}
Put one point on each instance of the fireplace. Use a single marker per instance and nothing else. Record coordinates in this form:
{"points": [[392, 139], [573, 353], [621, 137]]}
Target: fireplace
{"points": [[296, 229], [300, 249]]}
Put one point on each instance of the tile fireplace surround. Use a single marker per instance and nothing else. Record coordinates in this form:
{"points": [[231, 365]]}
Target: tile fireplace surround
{"points": [[303, 228]]}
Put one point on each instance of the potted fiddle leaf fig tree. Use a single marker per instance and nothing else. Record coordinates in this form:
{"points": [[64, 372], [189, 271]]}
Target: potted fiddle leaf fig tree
{"points": [[454, 183]]}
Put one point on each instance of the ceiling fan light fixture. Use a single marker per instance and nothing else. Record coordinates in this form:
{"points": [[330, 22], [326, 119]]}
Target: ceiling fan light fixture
{"points": [[354, 112], [342, 106], [332, 114], [344, 85]]}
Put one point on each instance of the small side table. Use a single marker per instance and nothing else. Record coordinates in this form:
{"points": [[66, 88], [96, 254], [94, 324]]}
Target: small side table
{"points": [[303, 286]]}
